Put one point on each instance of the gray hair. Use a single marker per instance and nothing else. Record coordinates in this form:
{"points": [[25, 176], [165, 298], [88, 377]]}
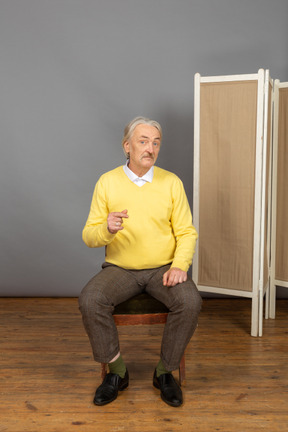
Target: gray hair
{"points": [[129, 129]]}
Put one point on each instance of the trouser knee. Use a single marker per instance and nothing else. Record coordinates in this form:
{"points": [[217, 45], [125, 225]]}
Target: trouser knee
{"points": [[85, 301], [190, 303], [92, 304]]}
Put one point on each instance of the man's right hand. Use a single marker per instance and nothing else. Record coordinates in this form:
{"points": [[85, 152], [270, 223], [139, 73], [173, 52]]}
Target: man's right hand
{"points": [[115, 220]]}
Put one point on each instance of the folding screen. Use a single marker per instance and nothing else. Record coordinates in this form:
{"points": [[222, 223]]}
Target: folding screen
{"points": [[279, 248], [231, 197], [265, 235]]}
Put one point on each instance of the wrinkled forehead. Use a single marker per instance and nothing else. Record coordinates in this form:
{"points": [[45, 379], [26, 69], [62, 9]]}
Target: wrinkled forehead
{"points": [[147, 132]]}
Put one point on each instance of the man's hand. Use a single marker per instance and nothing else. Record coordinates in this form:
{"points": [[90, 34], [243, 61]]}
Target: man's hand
{"points": [[174, 276], [115, 220]]}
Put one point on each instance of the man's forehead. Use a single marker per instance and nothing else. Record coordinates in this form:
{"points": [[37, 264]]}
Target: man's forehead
{"points": [[147, 131]]}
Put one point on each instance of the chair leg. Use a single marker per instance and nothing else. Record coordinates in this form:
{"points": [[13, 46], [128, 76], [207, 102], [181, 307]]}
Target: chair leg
{"points": [[103, 370], [182, 372]]}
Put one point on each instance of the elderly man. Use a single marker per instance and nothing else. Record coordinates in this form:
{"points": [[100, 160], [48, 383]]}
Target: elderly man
{"points": [[141, 215]]}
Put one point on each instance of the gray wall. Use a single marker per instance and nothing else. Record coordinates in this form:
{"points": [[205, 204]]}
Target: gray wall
{"points": [[72, 74]]}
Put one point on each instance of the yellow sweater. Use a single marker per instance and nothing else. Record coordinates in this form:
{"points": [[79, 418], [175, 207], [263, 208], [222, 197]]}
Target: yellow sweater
{"points": [[159, 229]]}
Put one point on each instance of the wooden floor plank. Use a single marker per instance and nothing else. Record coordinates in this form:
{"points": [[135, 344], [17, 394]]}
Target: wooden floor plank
{"points": [[48, 378]]}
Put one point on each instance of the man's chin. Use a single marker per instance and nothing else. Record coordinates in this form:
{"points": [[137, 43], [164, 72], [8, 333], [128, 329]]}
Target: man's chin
{"points": [[148, 160], [148, 163]]}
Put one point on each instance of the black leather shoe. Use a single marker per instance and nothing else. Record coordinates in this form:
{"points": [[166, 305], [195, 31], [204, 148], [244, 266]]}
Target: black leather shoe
{"points": [[108, 390], [170, 390]]}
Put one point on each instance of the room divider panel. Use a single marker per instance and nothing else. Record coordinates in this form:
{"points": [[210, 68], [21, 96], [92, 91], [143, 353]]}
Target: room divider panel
{"points": [[279, 252], [232, 117]]}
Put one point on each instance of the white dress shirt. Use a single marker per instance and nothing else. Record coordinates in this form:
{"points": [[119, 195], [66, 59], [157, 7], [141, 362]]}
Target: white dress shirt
{"points": [[139, 181]]}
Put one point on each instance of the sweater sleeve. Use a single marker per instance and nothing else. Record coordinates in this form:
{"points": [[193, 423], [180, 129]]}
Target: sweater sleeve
{"points": [[184, 231], [95, 232]]}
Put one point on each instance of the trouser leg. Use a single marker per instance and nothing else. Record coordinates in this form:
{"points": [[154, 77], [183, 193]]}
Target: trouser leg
{"points": [[184, 303], [111, 286]]}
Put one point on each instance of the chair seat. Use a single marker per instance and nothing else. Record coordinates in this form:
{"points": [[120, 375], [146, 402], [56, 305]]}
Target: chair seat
{"points": [[140, 310], [140, 304]]}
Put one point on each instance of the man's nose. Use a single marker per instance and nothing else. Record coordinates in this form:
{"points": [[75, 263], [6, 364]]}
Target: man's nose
{"points": [[149, 147]]}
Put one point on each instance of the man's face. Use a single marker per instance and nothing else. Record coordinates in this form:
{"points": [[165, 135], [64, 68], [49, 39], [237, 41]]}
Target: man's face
{"points": [[143, 147]]}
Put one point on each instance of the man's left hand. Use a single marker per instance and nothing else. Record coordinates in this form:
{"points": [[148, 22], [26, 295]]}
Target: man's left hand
{"points": [[174, 276]]}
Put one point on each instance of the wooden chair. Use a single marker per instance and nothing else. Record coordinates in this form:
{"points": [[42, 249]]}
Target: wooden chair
{"points": [[140, 310]]}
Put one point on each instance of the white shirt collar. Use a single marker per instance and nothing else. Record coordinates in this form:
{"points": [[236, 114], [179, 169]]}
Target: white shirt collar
{"points": [[140, 181]]}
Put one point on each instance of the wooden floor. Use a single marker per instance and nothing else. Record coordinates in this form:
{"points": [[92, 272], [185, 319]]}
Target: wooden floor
{"points": [[234, 382]]}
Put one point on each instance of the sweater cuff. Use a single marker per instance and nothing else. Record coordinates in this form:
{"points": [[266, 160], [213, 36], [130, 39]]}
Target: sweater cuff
{"points": [[177, 262], [107, 237]]}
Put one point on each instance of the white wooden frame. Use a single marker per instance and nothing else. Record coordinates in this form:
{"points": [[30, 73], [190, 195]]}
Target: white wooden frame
{"points": [[258, 290], [273, 281]]}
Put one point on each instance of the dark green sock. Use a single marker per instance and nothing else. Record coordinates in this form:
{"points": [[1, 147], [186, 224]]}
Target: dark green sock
{"points": [[160, 369], [118, 367]]}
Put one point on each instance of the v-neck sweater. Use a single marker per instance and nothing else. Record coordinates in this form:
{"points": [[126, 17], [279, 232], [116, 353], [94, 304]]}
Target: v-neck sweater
{"points": [[159, 229]]}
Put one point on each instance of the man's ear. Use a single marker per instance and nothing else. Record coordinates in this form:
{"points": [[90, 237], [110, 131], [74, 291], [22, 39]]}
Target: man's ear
{"points": [[126, 146]]}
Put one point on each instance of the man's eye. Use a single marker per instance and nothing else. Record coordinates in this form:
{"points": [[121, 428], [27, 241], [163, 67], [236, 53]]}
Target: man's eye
{"points": [[156, 144]]}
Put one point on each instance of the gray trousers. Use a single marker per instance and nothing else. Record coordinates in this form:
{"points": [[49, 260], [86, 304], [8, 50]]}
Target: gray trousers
{"points": [[114, 285]]}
